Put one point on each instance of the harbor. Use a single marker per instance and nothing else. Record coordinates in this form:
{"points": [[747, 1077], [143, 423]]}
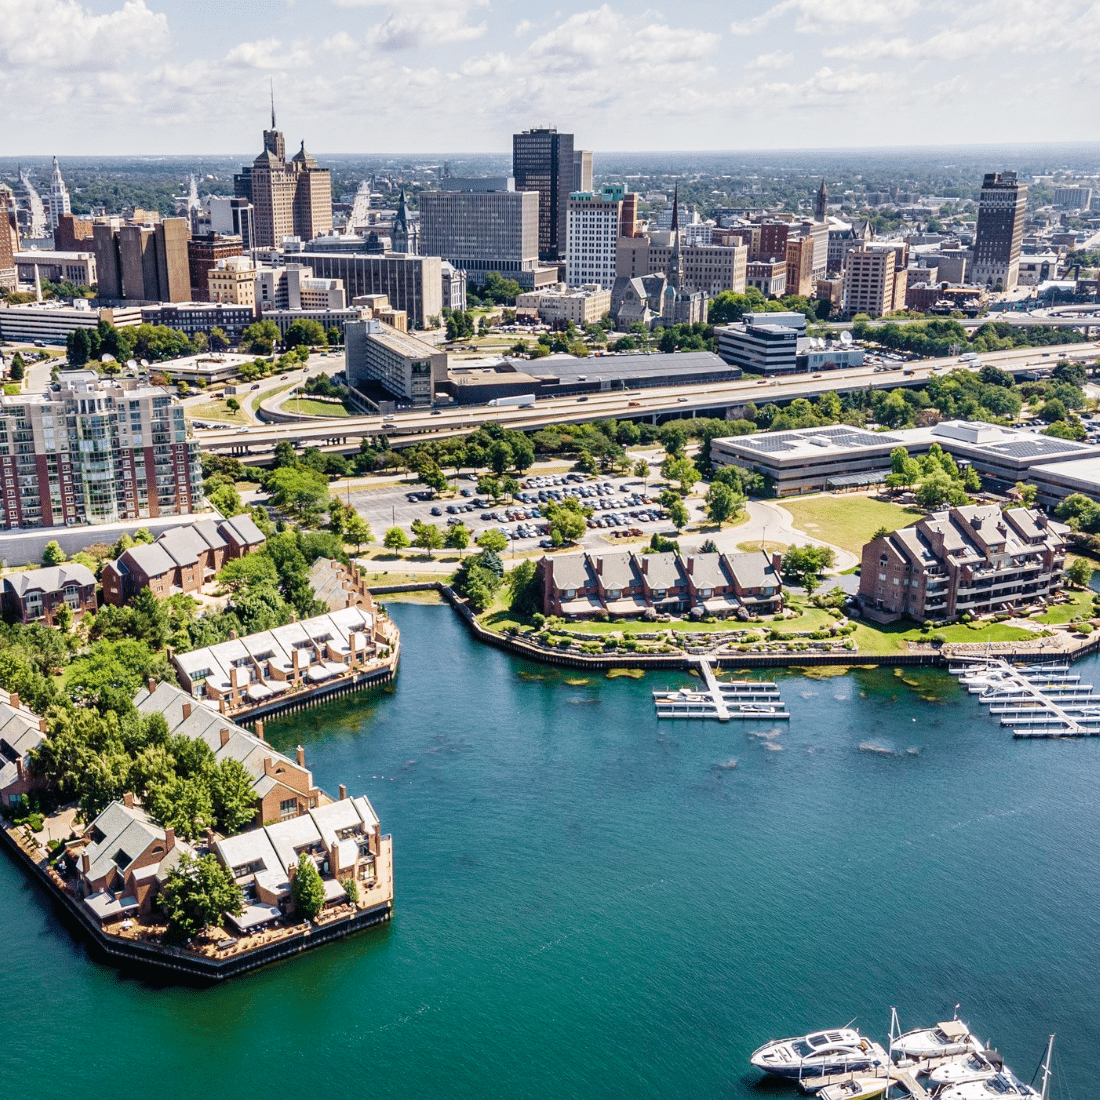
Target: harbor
{"points": [[1036, 701], [722, 700]]}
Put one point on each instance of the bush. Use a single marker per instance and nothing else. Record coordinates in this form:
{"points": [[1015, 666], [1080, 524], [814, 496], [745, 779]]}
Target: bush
{"points": [[939, 638], [351, 888]]}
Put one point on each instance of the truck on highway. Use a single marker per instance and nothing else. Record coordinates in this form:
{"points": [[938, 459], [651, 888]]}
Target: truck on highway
{"points": [[969, 357], [520, 400]]}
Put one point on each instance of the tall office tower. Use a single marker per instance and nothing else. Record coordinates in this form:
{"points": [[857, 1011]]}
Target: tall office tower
{"points": [[582, 170], [542, 161], [58, 198], [146, 263], [482, 225], [9, 238], [1000, 231], [874, 278], [288, 199], [93, 450], [203, 255], [592, 236], [821, 202]]}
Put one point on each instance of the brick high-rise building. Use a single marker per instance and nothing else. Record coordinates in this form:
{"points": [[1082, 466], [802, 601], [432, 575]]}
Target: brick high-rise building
{"points": [[289, 198], [91, 450], [73, 234], [9, 238], [1000, 231], [203, 254], [542, 161]]}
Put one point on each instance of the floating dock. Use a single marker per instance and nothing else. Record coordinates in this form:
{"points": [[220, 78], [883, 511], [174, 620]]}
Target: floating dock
{"points": [[1035, 701], [722, 700]]}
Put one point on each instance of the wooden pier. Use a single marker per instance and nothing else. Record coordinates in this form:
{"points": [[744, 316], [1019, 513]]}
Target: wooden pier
{"points": [[722, 700]]}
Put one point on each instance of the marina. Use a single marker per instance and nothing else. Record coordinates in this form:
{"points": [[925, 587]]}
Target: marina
{"points": [[722, 700], [1036, 701]]}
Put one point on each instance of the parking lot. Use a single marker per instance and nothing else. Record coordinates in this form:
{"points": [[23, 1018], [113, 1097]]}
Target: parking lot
{"points": [[621, 507]]}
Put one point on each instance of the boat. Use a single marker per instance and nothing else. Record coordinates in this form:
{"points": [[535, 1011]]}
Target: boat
{"points": [[974, 1067], [1003, 1085], [941, 1041], [819, 1054], [858, 1088]]}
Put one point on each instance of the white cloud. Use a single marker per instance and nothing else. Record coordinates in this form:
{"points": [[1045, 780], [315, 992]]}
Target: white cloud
{"points": [[419, 23], [48, 33], [524, 26], [776, 60], [831, 16]]}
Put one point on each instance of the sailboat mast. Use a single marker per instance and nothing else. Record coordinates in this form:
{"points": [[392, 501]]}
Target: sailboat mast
{"points": [[1045, 1090]]}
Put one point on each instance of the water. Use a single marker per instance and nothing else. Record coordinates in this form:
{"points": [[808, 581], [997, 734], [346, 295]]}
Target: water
{"points": [[592, 904]]}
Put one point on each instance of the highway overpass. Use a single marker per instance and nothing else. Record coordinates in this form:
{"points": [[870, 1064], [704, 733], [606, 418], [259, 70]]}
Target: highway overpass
{"points": [[256, 444]]}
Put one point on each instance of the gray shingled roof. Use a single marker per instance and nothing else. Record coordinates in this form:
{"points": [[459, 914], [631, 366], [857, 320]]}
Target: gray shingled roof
{"points": [[151, 558], [752, 570], [51, 578]]}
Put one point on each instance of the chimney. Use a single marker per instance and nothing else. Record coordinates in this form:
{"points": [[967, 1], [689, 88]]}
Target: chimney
{"points": [[343, 791], [223, 734], [209, 835], [85, 862], [645, 563], [169, 838], [20, 769], [41, 725], [128, 800], [151, 684], [186, 710], [690, 561], [260, 728], [269, 765], [221, 704], [777, 562], [300, 756], [13, 699]]}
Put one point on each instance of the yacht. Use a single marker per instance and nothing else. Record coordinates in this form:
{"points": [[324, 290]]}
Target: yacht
{"points": [[819, 1054], [941, 1041], [858, 1088], [974, 1067], [1003, 1085]]}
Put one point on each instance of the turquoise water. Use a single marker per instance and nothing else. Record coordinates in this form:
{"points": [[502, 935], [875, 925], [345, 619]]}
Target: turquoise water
{"points": [[592, 904]]}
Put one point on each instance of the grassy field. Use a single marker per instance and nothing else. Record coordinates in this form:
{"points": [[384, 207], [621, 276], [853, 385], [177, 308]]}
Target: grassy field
{"points": [[771, 547], [216, 410], [847, 521], [1079, 607], [895, 637], [308, 407]]}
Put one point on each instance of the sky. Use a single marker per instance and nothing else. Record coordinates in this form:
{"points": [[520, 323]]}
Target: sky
{"points": [[366, 76]]}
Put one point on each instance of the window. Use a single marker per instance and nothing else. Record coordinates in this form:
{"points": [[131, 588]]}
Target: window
{"points": [[288, 808]]}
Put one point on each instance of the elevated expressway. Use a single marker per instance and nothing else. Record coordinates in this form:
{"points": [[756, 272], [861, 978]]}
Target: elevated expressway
{"points": [[256, 443]]}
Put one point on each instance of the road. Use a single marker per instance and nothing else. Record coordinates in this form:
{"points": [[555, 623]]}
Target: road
{"points": [[344, 433]]}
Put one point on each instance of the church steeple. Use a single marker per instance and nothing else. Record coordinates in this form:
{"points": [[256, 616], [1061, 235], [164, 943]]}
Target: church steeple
{"points": [[821, 202], [273, 103], [676, 263], [400, 235]]}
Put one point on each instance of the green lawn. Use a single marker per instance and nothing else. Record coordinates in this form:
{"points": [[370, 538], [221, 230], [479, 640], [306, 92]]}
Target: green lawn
{"points": [[216, 410], [1079, 607], [847, 521], [895, 637], [307, 407]]}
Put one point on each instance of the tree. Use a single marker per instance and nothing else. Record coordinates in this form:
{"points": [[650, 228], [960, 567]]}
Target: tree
{"points": [[52, 554], [880, 533], [499, 290], [63, 618], [357, 530], [524, 589], [641, 468], [196, 894], [494, 540], [681, 470], [805, 564], [240, 574], [723, 503], [218, 339], [227, 500], [458, 537], [260, 337], [18, 368], [395, 539], [300, 492], [1079, 571], [232, 404], [427, 536], [678, 513], [305, 333], [1027, 493], [307, 889], [567, 519], [501, 456], [233, 797]]}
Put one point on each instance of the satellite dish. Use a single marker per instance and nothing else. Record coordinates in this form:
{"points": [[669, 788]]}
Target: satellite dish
{"points": [[845, 337], [145, 362], [106, 358], [131, 364]]}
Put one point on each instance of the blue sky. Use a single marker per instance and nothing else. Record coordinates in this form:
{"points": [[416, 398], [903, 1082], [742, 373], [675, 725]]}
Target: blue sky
{"points": [[191, 76]]}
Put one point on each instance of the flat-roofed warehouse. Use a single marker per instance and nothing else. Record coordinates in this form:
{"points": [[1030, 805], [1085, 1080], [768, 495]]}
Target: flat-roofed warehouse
{"points": [[807, 460], [561, 376]]}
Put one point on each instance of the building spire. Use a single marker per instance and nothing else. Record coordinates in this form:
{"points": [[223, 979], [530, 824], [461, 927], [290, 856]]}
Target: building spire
{"points": [[821, 202], [675, 266], [272, 103], [676, 209]]}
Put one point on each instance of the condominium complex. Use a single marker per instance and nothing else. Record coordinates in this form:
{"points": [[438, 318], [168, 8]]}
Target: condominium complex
{"points": [[1000, 231], [96, 451], [380, 357], [974, 559], [583, 305], [542, 161], [593, 223], [483, 225], [288, 198]]}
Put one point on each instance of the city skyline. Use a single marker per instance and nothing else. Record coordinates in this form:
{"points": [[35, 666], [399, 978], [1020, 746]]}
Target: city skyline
{"points": [[115, 75]]}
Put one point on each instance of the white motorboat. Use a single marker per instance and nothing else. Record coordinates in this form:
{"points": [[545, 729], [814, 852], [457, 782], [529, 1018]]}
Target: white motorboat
{"points": [[858, 1088], [819, 1054], [1003, 1085], [974, 1067], [941, 1041]]}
